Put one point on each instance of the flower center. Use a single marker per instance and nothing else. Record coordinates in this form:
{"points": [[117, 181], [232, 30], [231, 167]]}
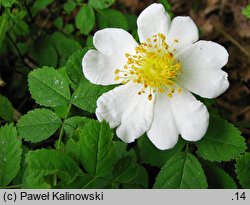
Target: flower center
{"points": [[153, 65]]}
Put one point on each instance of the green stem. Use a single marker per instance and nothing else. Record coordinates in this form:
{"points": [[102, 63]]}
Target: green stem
{"points": [[187, 147], [60, 138], [11, 187], [106, 179], [62, 127]]}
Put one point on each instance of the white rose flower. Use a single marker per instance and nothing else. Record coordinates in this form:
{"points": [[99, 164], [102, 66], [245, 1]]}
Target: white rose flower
{"points": [[157, 77]]}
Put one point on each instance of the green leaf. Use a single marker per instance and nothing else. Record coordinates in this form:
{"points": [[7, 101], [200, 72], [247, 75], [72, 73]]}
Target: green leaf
{"points": [[23, 165], [86, 181], [61, 111], [10, 154], [89, 42], [110, 18], [167, 7], [97, 148], [49, 87], [121, 150], [42, 163], [246, 11], [3, 28], [74, 65], [141, 180], [243, 170], [38, 125], [131, 19], [6, 109], [101, 4], [72, 125], [222, 141], [20, 27], [69, 28], [218, 179], [182, 171], [72, 148], [44, 52], [65, 46], [58, 23], [86, 95], [85, 19], [40, 4], [155, 157], [69, 6], [125, 170], [7, 3]]}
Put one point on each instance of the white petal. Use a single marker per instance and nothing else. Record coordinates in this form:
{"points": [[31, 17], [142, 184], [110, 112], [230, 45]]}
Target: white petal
{"points": [[153, 20], [114, 42], [100, 69], [201, 66], [184, 30], [123, 107], [163, 132], [111, 44], [191, 116]]}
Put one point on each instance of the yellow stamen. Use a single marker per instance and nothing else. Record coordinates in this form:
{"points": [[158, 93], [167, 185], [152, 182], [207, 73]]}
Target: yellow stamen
{"points": [[152, 65], [150, 97], [160, 90]]}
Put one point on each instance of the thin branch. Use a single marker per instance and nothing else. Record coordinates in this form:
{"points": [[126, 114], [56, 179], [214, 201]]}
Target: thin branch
{"points": [[234, 41], [28, 10]]}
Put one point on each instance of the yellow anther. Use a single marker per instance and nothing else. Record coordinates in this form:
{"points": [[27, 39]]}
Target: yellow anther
{"points": [[160, 90], [179, 90], [152, 65], [150, 96], [170, 95]]}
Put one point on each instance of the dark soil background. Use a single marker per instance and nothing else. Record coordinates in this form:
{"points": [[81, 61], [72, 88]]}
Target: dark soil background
{"points": [[220, 21]]}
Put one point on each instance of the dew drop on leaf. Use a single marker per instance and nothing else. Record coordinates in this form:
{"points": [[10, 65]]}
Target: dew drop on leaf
{"points": [[57, 82]]}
